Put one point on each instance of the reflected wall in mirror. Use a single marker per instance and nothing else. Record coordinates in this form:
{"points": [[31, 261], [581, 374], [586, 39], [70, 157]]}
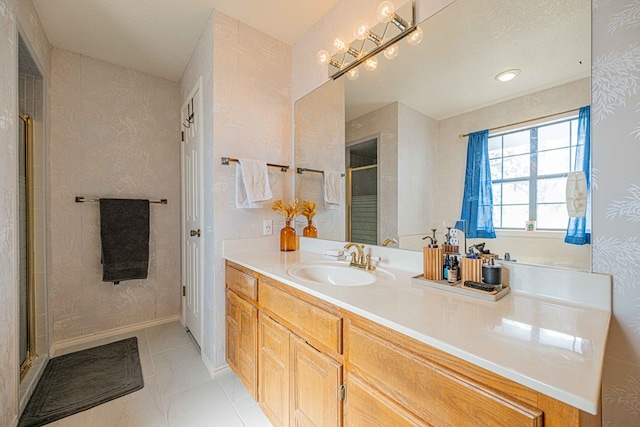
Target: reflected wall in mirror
{"points": [[417, 104]]}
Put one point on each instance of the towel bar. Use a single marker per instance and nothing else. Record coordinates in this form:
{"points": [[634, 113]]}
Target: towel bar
{"points": [[226, 160], [81, 199], [303, 170]]}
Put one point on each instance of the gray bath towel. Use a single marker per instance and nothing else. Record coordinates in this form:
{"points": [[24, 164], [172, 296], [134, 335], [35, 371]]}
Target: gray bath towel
{"points": [[124, 232]]}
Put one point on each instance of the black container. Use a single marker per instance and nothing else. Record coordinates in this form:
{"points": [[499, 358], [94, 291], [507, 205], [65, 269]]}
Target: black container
{"points": [[492, 275]]}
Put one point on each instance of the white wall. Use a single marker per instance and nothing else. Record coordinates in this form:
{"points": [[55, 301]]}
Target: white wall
{"points": [[252, 118], [114, 133], [417, 171]]}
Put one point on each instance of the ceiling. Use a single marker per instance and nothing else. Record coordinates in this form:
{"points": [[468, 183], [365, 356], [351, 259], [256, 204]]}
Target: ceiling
{"points": [[158, 36], [467, 44]]}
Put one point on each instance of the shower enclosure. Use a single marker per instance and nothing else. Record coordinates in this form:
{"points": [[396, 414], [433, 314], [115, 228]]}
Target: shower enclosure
{"points": [[27, 311]]}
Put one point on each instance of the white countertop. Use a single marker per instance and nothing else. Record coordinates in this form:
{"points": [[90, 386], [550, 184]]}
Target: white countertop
{"points": [[551, 345]]}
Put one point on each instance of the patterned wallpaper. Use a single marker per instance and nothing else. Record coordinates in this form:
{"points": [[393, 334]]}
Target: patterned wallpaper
{"points": [[8, 200], [252, 118], [114, 133], [616, 196]]}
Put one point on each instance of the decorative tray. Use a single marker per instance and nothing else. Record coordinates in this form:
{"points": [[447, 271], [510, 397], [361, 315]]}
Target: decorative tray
{"points": [[459, 288]]}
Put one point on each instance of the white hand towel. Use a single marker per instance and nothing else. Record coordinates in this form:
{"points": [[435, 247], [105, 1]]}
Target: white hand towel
{"points": [[252, 184], [332, 189]]}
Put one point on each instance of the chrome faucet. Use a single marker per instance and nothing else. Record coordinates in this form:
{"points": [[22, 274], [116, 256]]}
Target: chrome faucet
{"points": [[359, 259]]}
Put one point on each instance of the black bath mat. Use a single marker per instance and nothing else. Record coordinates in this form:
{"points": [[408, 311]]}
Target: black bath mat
{"points": [[79, 381]]}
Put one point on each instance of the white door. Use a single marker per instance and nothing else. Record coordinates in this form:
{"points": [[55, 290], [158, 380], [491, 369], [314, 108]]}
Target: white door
{"points": [[192, 213]]}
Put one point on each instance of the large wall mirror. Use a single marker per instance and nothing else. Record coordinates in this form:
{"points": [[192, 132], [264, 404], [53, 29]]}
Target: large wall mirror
{"points": [[394, 131]]}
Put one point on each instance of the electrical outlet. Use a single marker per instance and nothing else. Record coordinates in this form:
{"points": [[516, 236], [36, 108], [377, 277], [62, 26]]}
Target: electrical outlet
{"points": [[267, 227]]}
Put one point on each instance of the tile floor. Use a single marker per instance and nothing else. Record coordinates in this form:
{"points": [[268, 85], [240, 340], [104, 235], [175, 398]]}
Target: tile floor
{"points": [[178, 391]]}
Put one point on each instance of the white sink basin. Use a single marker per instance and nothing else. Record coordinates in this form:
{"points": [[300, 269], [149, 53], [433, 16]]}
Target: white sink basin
{"points": [[336, 273]]}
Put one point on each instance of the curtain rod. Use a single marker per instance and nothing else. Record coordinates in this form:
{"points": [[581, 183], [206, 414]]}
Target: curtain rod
{"points": [[464, 135], [226, 160]]}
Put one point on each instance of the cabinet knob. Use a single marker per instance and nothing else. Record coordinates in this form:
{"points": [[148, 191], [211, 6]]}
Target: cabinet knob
{"points": [[195, 233]]}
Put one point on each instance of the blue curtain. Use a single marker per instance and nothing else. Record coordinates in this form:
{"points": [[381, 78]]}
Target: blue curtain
{"points": [[477, 202], [579, 229]]}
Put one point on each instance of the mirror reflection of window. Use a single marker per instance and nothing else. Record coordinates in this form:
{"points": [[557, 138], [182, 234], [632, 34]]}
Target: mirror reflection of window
{"points": [[529, 168]]}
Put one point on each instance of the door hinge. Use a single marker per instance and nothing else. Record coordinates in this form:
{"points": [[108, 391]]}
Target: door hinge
{"points": [[182, 136], [184, 291], [342, 393]]}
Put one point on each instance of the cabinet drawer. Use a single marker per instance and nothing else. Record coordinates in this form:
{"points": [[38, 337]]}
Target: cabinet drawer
{"points": [[366, 406], [310, 322], [435, 394], [241, 282]]}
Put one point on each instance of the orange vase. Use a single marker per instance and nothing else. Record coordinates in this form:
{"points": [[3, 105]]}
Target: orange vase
{"points": [[288, 237], [310, 230]]}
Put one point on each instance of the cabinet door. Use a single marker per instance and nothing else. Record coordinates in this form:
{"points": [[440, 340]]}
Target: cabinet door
{"points": [[232, 331], [241, 329], [274, 371], [366, 406], [315, 383], [248, 346]]}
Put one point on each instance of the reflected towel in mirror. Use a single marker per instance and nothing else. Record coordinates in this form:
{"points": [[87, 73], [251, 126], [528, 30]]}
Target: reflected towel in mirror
{"points": [[332, 184]]}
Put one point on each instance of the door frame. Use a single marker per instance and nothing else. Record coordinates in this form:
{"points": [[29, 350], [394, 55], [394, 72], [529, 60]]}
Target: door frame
{"points": [[183, 229]]}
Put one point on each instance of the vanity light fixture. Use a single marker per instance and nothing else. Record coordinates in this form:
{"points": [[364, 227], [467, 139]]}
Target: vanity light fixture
{"points": [[392, 51], [508, 75], [415, 37], [371, 63], [394, 25], [353, 73]]}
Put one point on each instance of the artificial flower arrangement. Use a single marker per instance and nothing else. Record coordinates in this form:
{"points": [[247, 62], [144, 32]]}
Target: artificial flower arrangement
{"points": [[287, 233], [308, 210], [288, 211]]}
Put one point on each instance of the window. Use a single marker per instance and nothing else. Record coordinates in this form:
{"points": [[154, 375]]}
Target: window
{"points": [[528, 174]]}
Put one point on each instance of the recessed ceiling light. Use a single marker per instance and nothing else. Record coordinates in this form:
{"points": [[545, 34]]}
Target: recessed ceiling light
{"points": [[505, 76]]}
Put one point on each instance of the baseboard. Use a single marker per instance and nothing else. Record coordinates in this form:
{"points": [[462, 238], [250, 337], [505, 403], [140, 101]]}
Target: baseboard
{"points": [[208, 364], [224, 370], [110, 333], [212, 370]]}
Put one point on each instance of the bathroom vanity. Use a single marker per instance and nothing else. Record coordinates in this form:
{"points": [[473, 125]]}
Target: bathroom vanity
{"points": [[396, 353]]}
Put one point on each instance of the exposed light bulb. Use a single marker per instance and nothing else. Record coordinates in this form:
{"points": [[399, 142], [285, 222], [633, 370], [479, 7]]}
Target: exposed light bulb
{"points": [[361, 30], [323, 57], [340, 45], [505, 76], [371, 63], [353, 73], [415, 37], [385, 11], [392, 51]]}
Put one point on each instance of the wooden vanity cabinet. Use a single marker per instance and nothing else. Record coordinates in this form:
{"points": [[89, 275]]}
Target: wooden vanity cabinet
{"points": [[242, 325], [299, 385]]}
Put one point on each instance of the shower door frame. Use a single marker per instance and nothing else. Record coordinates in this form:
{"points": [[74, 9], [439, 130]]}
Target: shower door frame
{"points": [[27, 140]]}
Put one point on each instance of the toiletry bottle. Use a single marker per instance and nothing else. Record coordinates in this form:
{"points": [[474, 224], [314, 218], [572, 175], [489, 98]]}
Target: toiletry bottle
{"points": [[453, 272], [445, 269]]}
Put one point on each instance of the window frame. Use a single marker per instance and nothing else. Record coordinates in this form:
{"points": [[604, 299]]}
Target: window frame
{"points": [[533, 178]]}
